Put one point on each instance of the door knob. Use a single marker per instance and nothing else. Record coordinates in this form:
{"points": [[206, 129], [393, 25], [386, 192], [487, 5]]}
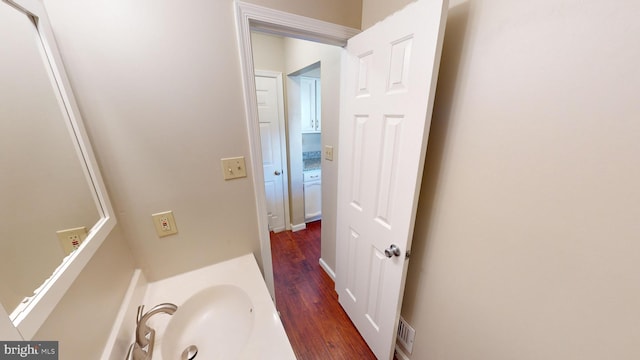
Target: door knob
{"points": [[276, 173], [393, 250]]}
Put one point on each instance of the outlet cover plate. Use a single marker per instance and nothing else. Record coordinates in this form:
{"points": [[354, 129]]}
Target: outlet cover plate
{"points": [[71, 239], [165, 223]]}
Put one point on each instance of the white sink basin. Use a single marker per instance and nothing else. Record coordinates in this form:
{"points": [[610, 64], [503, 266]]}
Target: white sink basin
{"points": [[224, 310], [218, 320]]}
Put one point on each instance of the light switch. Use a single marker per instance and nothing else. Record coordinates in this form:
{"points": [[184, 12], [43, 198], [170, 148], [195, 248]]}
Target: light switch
{"points": [[233, 168], [328, 152]]}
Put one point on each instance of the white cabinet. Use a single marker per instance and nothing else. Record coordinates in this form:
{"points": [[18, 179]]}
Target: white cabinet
{"points": [[310, 104], [312, 187]]}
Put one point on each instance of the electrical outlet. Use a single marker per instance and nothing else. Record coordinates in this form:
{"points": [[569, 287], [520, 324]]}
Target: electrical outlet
{"points": [[165, 223], [233, 168], [71, 239]]}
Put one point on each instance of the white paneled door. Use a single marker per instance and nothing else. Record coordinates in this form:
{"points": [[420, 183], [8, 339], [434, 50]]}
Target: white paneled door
{"points": [[387, 100], [271, 118]]}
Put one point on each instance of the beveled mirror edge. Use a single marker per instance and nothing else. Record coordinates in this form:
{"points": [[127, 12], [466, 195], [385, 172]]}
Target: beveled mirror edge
{"points": [[33, 315]]}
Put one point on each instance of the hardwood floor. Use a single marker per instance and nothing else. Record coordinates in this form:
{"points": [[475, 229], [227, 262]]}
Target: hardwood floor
{"points": [[317, 326]]}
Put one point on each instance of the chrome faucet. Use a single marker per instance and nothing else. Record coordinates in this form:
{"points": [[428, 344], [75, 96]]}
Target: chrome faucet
{"points": [[142, 349]]}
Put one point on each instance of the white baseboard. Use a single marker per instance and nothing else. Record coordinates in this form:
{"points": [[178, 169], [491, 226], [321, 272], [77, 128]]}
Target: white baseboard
{"points": [[122, 332], [400, 354], [328, 270], [298, 227]]}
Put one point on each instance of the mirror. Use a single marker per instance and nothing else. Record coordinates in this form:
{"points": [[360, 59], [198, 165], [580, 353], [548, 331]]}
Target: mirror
{"points": [[48, 178], [43, 186]]}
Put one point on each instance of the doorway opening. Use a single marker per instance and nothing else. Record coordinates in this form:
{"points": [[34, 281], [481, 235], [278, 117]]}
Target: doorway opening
{"points": [[250, 18], [311, 76], [291, 147], [305, 292]]}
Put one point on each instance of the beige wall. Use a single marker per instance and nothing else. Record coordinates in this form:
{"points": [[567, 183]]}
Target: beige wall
{"points": [[159, 84], [374, 11], [342, 12], [268, 52], [8, 332], [82, 320], [526, 243]]}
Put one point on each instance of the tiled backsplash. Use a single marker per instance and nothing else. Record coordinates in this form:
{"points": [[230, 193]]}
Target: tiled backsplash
{"points": [[311, 155], [311, 160]]}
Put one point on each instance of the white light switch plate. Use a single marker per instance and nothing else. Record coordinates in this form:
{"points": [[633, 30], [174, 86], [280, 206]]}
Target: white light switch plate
{"points": [[328, 152]]}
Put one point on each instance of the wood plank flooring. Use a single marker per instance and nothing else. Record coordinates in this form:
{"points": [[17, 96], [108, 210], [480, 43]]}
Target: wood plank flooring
{"points": [[317, 327]]}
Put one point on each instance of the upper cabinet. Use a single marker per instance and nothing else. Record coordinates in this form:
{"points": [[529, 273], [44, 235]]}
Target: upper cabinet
{"points": [[310, 104]]}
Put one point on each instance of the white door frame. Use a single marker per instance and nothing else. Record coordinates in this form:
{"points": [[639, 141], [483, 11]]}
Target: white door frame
{"points": [[283, 141], [253, 17]]}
